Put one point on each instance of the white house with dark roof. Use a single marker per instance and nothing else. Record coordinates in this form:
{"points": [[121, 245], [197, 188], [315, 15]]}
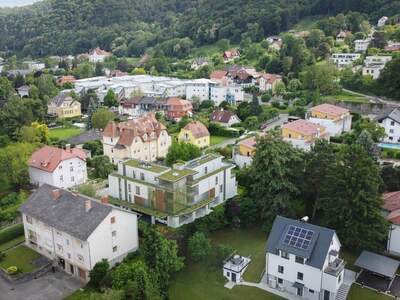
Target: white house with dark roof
{"points": [[75, 231], [391, 123], [303, 259]]}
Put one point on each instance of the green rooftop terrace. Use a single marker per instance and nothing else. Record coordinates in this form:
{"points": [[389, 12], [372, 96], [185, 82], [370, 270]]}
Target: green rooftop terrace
{"points": [[154, 168], [176, 175]]}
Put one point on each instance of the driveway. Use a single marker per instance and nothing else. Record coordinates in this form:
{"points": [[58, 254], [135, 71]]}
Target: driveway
{"points": [[51, 286], [283, 118]]}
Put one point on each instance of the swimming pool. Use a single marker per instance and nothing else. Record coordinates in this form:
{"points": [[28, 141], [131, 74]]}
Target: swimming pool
{"points": [[389, 146]]}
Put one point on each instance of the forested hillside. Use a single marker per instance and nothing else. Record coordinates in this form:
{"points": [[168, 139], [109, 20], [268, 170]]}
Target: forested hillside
{"points": [[131, 26]]}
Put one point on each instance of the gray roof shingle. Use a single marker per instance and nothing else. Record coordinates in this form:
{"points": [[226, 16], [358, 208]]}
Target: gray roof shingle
{"points": [[394, 115], [67, 213], [378, 264], [316, 252]]}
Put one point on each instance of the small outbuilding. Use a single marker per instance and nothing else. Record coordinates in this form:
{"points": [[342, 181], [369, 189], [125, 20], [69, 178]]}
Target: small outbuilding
{"points": [[235, 266]]}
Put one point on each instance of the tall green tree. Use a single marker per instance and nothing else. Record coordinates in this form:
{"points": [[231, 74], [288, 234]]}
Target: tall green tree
{"points": [[351, 201], [199, 246], [275, 170], [181, 151], [161, 256], [110, 100], [101, 117]]}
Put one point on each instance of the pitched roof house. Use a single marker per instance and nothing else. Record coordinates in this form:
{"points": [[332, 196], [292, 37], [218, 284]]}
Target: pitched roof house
{"points": [[178, 108], [77, 231], [303, 259], [334, 118], [199, 62], [391, 123], [58, 167], [144, 138], [195, 133], [64, 106], [225, 118], [268, 81], [391, 211], [231, 55], [244, 151]]}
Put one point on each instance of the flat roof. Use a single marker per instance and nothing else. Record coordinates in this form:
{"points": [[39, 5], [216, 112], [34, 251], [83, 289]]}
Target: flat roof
{"points": [[175, 175], [377, 264], [154, 168]]}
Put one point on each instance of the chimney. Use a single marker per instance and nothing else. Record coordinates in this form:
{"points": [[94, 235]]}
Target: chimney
{"points": [[55, 194], [88, 205], [104, 199]]}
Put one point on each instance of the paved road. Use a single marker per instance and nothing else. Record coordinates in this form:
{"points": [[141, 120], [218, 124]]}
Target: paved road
{"points": [[283, 118], [52, 286]]}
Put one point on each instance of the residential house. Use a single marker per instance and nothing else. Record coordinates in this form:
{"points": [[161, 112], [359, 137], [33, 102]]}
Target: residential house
{"points": [[391, 123], [303, 259], [23, 91], [143, 138], [76, 232], [391, 211], [231, 55], [33, 66], [303, 134], [220, 76], [392, 46], [361, 45], [130, 107], [64, 106], [98, 55], [382, 21], [235, 266], [342, 35], [58, 167], [65, 79], [195, 133], [275, 42], [244, 151], [343, 60], [199, 62], [231, 93], [373, 65], [178, 108], [173, 196], [334, 118], [224, 118], [268, 82]]}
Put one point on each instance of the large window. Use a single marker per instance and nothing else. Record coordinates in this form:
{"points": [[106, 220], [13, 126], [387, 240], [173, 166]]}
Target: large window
{"points": [[280, 269], [300, 276]]}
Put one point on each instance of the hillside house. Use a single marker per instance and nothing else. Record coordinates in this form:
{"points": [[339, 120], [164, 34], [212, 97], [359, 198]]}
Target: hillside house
{"points": [[303, 259], [268, 82], [98, 55], [178, 108], [195, 133], [142, 138], [23, 91], [391, 123], [361, 45], [76, 232], [303, 134], [199, 62], [230, 55], [343, 60], [58, 167], [334, 118], [391, 211], [382, 21], [244, 151], [173, 196], [373, 65]]}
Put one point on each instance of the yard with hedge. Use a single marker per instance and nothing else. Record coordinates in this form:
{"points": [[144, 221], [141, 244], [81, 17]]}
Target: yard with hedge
{"points": [[22, 257]]}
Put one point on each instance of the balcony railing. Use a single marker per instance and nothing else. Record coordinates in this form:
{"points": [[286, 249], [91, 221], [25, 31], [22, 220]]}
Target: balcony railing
{"points": [[335, 267]]}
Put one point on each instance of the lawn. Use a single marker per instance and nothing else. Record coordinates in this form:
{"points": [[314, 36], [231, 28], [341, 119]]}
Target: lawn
{"points": [[200, 281], [12, 243], [21, 257], [64, 133], [357, 292], [346, 97], [215, 140]]}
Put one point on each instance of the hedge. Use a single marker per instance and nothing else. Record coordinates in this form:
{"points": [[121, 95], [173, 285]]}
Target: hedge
{"points": [[11, 232]]}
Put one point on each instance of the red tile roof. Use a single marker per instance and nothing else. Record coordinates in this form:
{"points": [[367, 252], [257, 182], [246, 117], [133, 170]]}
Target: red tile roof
{"points": [[391, 201], [330, 109], [218, 75], [304, 127], [178, 104], [231, 53], [394, 217], [127, 131], [48, 158], [249, 142], [99, 51], [271, 78], [197, 128]]}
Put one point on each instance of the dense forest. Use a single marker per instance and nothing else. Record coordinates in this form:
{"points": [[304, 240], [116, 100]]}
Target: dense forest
{"points": [[131, 26]]}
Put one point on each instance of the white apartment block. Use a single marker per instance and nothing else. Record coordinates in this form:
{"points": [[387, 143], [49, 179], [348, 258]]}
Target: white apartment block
{"points": [[58, 167], [173, 196], [374, 64], [343, 60], [361, 45], [232, 93], [76, 232], [303, 259], [391, 123]]}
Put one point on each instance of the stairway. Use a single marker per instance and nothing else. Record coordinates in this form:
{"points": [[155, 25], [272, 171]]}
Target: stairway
{"points": [[342, 292]]}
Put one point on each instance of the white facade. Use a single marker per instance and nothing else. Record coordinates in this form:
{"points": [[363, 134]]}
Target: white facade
{"points": [[361, 45], [232, 94], [374, 64], [392, 130], [242, 161], [234, 268], [68, 173], [34, 66], [113, 239], [334, 127], [342, 60], [382, 21], [285, 269], [393, 244], [95, 58]]}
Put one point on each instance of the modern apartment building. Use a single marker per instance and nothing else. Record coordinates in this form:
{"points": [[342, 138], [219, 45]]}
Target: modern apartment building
{"points": [[173, 196]]}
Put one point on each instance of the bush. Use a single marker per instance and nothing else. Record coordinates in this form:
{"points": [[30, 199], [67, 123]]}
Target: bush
{"points": [[222, 252], [12, 270], [218, 130], [199, 247], [10, 233], [98, 273], [266, 97]]}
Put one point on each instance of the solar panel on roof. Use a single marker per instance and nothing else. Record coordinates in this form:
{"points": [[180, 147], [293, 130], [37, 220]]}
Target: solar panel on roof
{"points": [[298, 237]]}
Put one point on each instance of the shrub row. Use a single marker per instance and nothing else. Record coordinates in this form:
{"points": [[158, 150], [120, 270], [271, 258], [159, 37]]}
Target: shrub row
{"points": [[10, 233]]}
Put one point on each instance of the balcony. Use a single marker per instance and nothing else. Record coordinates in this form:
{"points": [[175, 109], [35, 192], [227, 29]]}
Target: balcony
{"points": [[335, 267]]}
